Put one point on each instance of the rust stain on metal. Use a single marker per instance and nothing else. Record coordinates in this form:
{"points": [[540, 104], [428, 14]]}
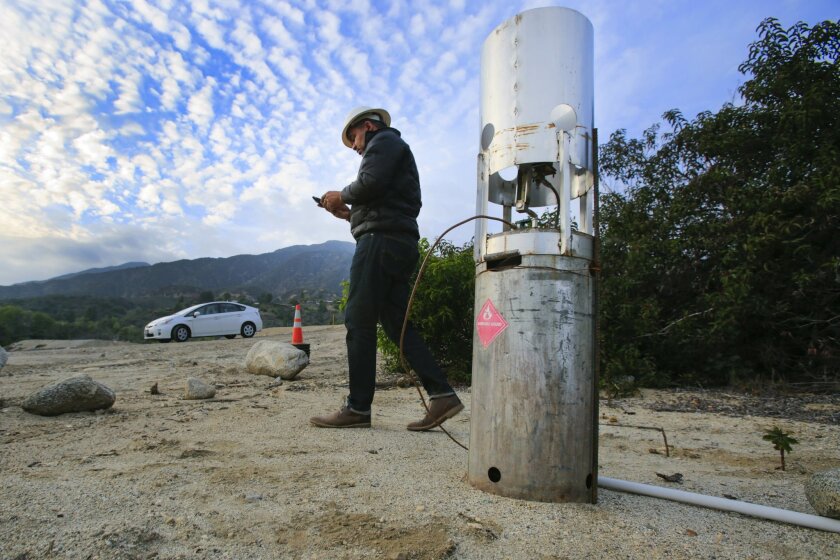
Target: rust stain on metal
{"points": [[519, 130], [502, 27]]}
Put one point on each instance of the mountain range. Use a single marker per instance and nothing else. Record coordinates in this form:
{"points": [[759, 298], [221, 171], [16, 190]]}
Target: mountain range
{"points": [[315, 268]]}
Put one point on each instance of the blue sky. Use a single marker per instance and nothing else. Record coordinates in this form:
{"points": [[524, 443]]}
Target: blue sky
{"points": [[156, 130]]}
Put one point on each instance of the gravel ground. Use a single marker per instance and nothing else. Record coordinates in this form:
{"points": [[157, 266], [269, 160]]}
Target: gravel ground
{"points": [[244, 475]]}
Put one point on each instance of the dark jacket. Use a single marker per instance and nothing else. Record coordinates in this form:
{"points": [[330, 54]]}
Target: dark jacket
{"points": [[385, 197]]}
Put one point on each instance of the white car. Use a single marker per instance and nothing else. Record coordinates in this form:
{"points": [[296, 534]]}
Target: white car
{"points": [[217, 318]]}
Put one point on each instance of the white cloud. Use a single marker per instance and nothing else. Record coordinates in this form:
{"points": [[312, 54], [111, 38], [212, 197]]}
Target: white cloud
{"points": [[328, 30], [200, 105], [129, 100], [356, 64], [276, 30], [108, 244], [290, 13], [147, 165], [417, 25], [92, 149], [212, 33], [444, 64], [245, 37]]}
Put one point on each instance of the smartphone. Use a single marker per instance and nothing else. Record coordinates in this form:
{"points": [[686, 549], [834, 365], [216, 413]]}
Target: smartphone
{"points": [[317, 200]]}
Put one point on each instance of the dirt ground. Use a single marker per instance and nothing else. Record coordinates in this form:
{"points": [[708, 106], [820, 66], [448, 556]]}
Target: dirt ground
{"points": [[245, 476]]}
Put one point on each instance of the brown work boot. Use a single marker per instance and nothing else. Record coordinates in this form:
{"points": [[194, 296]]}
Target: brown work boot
{"points": [[440, 410], [344, 418]]}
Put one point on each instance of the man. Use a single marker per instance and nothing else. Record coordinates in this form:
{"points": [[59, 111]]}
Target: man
{"points": [[384, 201]]}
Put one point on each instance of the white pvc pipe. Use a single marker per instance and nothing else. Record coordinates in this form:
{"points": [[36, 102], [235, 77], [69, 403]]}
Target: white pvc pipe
{"points": [[724, 504]]}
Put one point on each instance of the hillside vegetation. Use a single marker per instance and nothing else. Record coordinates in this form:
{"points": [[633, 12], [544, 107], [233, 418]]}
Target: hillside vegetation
{"points": [[285, 272], [720, 258], [116, 303]]}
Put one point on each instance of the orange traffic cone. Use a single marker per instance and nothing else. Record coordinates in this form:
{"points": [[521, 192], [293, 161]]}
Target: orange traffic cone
{"points": [[297, 329], [297, 332]]}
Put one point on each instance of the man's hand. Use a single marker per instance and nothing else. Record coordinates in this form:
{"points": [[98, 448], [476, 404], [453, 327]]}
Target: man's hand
{"points": [[331, 200], [342, 213]]}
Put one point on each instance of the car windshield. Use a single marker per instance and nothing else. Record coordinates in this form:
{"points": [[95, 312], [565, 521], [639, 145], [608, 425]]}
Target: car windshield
{"points": [[189, 310]]}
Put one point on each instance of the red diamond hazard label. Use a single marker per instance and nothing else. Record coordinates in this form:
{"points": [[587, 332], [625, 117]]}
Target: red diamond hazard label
{"points": [[489, 323]]}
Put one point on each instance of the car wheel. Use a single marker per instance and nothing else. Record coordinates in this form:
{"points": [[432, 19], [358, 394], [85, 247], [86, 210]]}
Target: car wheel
{"points": [[229, 336], [248, 330], [181, 333]]}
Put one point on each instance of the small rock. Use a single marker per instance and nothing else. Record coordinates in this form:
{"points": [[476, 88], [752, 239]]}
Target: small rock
{"points": [[405, 381], [421, 508], [154, 390], [676, 477], [268, 357], [4, 357], [75, 394], [196, 389], [194, 453], [823, 492]]}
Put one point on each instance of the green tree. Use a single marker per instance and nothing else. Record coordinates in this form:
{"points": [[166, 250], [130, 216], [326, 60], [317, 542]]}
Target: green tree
{"points": [[47, 317], [720, 259], [12, 324], [442, 310], [91, 313], [41, 325]]}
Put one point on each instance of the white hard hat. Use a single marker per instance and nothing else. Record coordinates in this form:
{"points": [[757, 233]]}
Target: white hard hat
{"points": [[360, 113]]}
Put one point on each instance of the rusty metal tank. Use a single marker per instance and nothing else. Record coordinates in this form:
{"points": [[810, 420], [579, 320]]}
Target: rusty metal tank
{"points": [[533, 430]]}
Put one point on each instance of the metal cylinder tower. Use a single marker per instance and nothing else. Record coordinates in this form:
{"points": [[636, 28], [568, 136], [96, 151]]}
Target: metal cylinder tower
{"points": [[534, 400]]}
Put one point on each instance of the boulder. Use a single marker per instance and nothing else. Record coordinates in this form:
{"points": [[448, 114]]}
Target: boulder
{"points": [[196, 389], [276, 359], [75, 394], [4, 357], [823, 492]]}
